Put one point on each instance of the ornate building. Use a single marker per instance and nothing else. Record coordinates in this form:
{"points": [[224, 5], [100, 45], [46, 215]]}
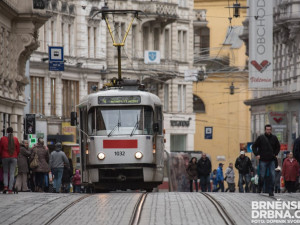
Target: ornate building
{"points": [[91, 60], [280, 105], [19, 24]]}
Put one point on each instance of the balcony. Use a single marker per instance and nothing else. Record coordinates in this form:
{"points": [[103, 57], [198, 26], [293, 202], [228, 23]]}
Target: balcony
{"points": [[163, 11]]}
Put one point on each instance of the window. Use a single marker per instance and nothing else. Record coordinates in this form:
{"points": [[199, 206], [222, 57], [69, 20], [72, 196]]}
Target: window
{"points": [[52, 33], [201, 41], [53, 96], [92, 87], [166, 97], [198, 104], [167, 44], [37, 94], [145, 38], [134, 42], [178, 142], [70, 96], [181, 97], [156, 39], [182, 45], [159, 119], [62, 34], [115, 121]]}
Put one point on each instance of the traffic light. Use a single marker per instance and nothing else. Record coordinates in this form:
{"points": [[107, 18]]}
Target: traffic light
{"points": [[30, 124]]}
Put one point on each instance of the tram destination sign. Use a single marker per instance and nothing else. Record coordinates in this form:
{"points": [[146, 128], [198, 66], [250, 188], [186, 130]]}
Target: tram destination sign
{"points": [[119, 100]]}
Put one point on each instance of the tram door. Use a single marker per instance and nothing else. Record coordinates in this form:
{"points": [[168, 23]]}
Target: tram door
{"points": [[159, 138], [83, 143]]}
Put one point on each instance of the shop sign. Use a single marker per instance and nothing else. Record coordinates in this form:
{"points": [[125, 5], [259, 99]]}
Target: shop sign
{"points": [[283, 147], [260, 44], [67, 129], [180, 123]]}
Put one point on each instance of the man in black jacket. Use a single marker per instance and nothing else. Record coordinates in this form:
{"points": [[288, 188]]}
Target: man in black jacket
{"points": [[244, 166], [296, 149], [204, 170], [266, 148]]}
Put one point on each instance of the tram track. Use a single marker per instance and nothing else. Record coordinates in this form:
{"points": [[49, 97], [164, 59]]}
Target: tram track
{"points": [[66, 208], [221, 210], [138, 210]]}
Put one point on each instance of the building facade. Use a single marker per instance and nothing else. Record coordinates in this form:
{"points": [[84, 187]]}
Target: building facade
{"points": [[53, 95], [19, 25], [91, 60], [167, 27], [222, 119], [280, 105]]}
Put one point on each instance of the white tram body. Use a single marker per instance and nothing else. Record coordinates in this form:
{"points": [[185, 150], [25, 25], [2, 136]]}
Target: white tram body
{"points": [[121, 139]]}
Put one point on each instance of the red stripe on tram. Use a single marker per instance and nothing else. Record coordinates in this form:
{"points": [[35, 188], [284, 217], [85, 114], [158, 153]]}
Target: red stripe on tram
{"points": [[120, 144]]}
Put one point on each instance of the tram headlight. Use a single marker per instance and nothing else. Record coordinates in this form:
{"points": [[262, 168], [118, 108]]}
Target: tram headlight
{"points": [[138, 155], [101, 156]]}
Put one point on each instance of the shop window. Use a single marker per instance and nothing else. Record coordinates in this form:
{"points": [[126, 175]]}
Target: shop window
{"points": [[178, 142]]}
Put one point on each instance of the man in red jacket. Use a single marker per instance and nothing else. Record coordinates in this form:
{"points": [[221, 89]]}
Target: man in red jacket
{"points": [[290, 172], [9, 151]]}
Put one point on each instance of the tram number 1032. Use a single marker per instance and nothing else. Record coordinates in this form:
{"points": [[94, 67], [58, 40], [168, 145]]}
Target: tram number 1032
{"points": [[119, 153]]}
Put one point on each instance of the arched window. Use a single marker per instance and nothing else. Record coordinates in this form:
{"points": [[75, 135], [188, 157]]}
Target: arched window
{"points": [[198, 105]]}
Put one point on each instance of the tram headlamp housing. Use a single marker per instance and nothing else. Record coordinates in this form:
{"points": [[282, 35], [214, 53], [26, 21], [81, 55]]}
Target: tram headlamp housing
{"points": [[138, 155], [101, 156]]}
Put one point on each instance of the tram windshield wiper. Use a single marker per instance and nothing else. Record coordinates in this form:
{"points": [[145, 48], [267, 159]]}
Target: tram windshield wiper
{"points": [[118, 125], [135, 126]]}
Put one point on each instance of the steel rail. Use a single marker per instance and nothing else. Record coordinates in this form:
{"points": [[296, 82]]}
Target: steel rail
{"points": [[221, 210], [135, 218], [65, 209]]}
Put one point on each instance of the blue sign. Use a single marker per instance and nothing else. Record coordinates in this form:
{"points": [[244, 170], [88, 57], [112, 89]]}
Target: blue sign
{"points": [[208, 132], [56, 58], [56, 53], [152, 56], [249, 146], [56, 66]]}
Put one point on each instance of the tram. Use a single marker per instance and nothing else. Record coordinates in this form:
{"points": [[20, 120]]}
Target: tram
{"points": [[121, 139]]}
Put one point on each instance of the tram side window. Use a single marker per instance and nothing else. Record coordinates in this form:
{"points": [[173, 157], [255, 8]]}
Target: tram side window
{"points": [[91, 122], [158, 118], [148, 120]]}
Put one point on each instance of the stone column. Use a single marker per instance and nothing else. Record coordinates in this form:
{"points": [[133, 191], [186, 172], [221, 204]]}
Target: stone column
{"points": [[47, 93]]}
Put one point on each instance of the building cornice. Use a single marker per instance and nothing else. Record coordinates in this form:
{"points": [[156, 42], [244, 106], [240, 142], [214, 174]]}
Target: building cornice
{"points": [[271, 99]]}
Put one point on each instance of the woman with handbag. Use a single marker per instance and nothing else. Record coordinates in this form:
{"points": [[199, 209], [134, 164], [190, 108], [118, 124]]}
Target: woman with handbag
{"points": [[9, 151], [40, 164]]}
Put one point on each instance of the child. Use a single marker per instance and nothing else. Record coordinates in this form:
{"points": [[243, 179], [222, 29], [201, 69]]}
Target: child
{"points": [[277, 179], [76, 181]]}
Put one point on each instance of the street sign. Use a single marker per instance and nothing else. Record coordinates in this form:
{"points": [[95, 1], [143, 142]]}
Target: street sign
{"points": [[208, 132], [56, 58], [56, 66]]}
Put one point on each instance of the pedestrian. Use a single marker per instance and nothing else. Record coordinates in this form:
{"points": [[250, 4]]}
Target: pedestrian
{"points": [[266, 148], [290, 172], [67, 176], [244, 166], [277, 179], [204, 170], [229, 177], [42, 168], [57, 160], [213, 178], [192, 173], [9, 151], [76, 180], [23, 169], [296, 149], [220, 178]]}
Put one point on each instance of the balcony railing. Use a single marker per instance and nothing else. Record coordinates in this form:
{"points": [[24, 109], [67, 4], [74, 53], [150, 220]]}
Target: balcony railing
{"points": [[162, 9]]}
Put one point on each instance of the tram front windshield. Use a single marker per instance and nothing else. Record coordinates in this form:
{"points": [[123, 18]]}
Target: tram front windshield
{"points": [[125, 120]]}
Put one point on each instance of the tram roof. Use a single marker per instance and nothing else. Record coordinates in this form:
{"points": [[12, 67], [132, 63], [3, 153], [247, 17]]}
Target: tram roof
{"points": [[147, 98]]}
